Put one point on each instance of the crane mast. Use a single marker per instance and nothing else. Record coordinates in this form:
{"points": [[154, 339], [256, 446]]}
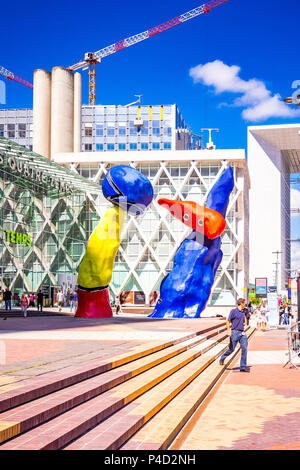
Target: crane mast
{"points": [[91, 59]]}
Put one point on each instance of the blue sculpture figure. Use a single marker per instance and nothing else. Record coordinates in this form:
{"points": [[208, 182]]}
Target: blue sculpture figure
{"points": [[186, 289]]}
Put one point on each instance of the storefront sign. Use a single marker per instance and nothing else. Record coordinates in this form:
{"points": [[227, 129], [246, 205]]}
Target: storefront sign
{"points": [[261, 286], [17, 238], [17, 165]]}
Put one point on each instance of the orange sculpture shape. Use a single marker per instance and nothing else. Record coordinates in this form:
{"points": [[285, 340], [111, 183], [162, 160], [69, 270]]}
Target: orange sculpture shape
{"points": [[207, 221]]}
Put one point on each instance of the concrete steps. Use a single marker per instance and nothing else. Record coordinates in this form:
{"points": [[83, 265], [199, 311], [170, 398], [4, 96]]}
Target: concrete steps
{"points": [[109, 404], [161, 430]]}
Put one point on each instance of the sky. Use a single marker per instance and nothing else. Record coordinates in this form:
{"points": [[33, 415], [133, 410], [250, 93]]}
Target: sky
{"points": [[227, 69]]}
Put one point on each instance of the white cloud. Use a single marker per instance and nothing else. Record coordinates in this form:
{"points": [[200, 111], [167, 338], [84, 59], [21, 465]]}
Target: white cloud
{"points": [[258, 101], [295, 199]]}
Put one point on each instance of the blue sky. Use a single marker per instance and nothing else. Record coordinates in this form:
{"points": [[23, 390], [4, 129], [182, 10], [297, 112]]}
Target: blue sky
{"points": [[257, 39], [260, 37]]}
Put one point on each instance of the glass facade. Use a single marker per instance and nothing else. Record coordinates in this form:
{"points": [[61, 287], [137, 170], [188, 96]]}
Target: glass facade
{"points": [[121, 128], [114, 128], [45, 220]]}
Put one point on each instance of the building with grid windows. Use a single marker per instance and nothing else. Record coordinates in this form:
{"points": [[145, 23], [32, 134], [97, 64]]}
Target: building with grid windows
{"points": [[149, 242], [113, 128], [46, 219]]}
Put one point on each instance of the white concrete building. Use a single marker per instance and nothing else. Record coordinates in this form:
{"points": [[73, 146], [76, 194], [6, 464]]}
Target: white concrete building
{"points": [[273, 154]]}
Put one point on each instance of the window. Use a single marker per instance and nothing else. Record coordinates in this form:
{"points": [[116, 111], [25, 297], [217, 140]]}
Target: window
{"points": [[144, 146], [167, 145], [11, 130], [88, 147], [155, 128], [110, 146], [168, 131], [133, 146], [88, 131], [99, 130], [122, 146], [99, 147], [22, 131], [156, 146], [110, 131], [133, 129], [1, 130], [122, 130]]}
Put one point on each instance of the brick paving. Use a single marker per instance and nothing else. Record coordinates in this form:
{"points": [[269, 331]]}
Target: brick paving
{"points": [[42, 355], [255, 411]]}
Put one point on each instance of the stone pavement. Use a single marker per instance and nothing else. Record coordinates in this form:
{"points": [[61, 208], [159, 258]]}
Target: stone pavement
{"points": [[36, 345], [260, 410], [255, 411]]}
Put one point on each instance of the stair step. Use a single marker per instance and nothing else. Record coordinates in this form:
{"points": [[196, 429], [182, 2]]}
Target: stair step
{"points": [[62, 429], [113, 432], [39, 386], [161, 430], [40, 410]]}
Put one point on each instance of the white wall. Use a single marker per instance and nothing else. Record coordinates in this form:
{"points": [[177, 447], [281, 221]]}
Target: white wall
{"points": [[264, 163]]}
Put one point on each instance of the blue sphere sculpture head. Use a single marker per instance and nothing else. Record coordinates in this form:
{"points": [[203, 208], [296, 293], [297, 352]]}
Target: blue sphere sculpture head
{"points": [[127, 188]]}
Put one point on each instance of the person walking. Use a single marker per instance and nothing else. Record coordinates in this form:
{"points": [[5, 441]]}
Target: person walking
{"points": [[75, 299], [237, 321], [60, 299], [118, 305], [7, 299], [264, 311], [24, 304], [31, 299], [40, 300], [71, 298]]}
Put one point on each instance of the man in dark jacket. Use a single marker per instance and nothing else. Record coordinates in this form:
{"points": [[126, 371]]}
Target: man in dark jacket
{"points": [[40, 298], [7, 298], [237, 321]]}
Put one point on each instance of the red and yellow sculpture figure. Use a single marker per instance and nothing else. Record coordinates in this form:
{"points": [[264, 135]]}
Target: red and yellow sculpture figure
{"points": [[129, 191]]}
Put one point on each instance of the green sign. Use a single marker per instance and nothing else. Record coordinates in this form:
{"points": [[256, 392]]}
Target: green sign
{"points": [[17, 238]]}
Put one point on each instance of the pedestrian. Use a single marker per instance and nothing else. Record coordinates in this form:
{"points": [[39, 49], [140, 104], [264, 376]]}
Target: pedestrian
{"points": [[237, 321], [281, 313], [247, 315], [7, 299], [264, 316], [287, 314], [71, 298], [75, 299], [118, 305], [31, 299], [254, 319], [40, 300], [60, 299], [24, 304]]}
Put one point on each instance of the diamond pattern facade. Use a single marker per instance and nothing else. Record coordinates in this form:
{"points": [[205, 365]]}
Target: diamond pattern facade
{"points": [[149, 242]]}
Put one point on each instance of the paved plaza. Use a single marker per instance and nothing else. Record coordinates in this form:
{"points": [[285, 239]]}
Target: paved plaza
{"points": [[254, 411]]}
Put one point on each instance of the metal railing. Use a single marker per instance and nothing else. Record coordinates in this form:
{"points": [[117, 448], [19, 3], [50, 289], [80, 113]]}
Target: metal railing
{"points": [[294, 345]]}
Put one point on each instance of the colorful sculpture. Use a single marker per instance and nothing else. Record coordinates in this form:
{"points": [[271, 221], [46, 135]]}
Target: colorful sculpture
{"points": [[184, 292], [128, 190]]}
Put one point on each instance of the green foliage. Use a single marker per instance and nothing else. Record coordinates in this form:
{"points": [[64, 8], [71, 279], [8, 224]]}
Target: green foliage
{"points": [[255, 301]]}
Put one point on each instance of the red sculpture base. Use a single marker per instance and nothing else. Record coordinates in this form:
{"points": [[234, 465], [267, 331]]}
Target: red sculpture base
{"points": [[93, 304]]}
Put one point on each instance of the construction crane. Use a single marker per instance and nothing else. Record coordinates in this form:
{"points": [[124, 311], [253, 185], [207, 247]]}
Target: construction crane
{"points": [[91, 59], [12, 76]]}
